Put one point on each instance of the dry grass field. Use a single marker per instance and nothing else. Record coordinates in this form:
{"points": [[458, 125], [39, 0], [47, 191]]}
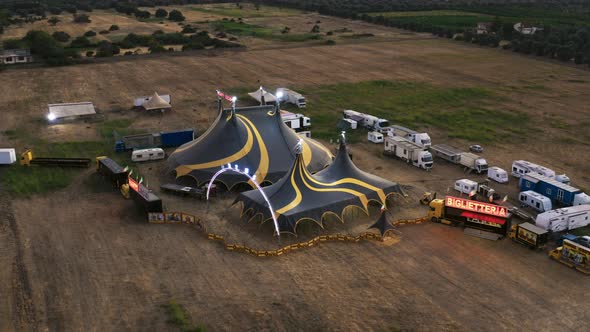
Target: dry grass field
{"points": [[81, 259]]}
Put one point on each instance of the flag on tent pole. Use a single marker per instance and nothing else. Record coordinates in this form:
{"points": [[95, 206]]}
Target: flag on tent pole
{"points": [[130, 172], [126, 169], [141, 179]]}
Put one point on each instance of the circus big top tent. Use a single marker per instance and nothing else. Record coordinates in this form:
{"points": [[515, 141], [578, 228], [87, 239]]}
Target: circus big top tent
{"points": [[300, 195], [251, 137]]}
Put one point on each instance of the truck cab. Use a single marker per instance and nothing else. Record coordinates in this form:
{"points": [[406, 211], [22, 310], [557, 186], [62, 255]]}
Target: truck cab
{"points": [[436, 210], [422, 139], [424, 161]]}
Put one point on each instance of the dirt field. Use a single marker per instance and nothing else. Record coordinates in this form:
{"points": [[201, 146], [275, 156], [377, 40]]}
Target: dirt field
{"points": [[95, 265]]}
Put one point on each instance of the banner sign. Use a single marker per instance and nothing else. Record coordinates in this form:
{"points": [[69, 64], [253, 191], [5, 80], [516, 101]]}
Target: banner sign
{"points": [[475, 206], [139, 188]]}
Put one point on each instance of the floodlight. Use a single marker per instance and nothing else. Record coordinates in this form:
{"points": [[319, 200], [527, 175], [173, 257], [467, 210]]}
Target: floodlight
{"points": [[50, 116], [246, 170], [234, 99], [280, 94]]}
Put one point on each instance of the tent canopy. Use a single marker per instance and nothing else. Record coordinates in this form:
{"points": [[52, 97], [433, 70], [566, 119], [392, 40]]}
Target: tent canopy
{"points": [[258, 94], [156, 103], [251, 137], [299, 195]]}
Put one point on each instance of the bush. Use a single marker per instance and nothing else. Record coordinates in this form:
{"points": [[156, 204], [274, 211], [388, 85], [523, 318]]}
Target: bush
{"points": [[89, 53], [81, 42], [82, 18], [188, 29], [104, 32], [104, 49], [565, 53], [161, 12], [114, 27], [53, 20], [128, 53], [142, 14], [61, 36], [89, 33], [315, 29], [330, 42], [176, 15], [157, 48]]}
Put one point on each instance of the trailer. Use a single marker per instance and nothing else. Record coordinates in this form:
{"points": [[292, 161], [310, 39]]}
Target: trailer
{"points": [[565, 218], [422, 139], [473, 162], [294, 98], [146, 200], [522, 167], [155, 140], [535, 200], [466, 186], [574, 255], [412, 153], [366, 120], [7, 156], [487, 220], [561, 194], [112, 170], [497, 174], [27, 159], [375, 137], [529, 235], [148, 154], [446, 152], [296, 121], [184, 190]]}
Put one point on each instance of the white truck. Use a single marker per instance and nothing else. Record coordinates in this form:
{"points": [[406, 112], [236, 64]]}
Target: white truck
{"points": [[422, 139], [294, 98], [7, 156], [564, 219], [407, 151], [296, 121], [366, 120], [472, 161]]}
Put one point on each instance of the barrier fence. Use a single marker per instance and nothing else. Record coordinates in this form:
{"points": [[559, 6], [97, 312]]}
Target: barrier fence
{"points": [[188, 219]]}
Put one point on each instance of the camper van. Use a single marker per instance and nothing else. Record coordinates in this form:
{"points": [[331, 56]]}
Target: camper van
{"points": [[522, 167], [375, 137], [497, 174], [535, 200], [148, 154], [466, 186]]}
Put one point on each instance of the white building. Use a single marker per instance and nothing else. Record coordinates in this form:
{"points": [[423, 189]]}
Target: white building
{"points": [[11, 57]]}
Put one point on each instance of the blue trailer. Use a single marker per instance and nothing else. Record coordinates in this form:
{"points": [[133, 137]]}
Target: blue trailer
{"points": [[560, 193], [155, 140]]}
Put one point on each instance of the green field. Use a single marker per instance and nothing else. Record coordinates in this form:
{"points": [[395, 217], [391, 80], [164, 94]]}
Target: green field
{"points": [[466, 113], [250, 30], [26, 181], [247, 10], [468, 18]]}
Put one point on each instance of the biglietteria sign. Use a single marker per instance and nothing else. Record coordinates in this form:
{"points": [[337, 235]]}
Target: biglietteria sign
{"points": [[479, 207]]}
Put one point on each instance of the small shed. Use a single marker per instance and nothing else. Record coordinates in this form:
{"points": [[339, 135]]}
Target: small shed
{"points": [[156, 103], [70, 110], [11, 57]]}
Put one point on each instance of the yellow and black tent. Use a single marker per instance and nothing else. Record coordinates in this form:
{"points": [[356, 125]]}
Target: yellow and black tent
{"points": [[299, 195], [251, 137]]}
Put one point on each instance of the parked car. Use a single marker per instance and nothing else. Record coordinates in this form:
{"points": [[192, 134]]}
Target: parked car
{"points": [[476, 148]]}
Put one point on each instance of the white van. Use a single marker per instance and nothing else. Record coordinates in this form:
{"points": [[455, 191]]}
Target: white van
{"points": [[497, 174], [375, 137], [466, 186], [148, 154], [535, 200]]}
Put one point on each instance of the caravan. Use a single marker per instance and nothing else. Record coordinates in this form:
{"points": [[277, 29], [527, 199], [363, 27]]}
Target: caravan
{"points": [[535, 200], [497, 174], [522, 167], [564, 219], [466, 186], [147, 154]]}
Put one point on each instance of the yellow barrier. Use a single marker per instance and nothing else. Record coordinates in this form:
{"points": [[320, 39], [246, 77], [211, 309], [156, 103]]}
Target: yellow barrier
{"points": [[187, 219]]}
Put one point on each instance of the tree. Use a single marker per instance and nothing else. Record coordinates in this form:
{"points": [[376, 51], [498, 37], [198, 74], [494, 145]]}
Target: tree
{"points": [[142, 14], [114, 27], [53, 21], [43, 45], [104, 49], [89, 54], [565, 53], [162, 13], [89, 33], [189, 29], [81, 42], [82, 18], [61, 36], [315, 29], [176, 15], [156, 48]]}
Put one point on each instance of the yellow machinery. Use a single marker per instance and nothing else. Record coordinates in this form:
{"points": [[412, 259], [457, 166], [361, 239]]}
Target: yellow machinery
{"points": [[26, 157], [125, 191], [573, 255], [427, 197]]}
